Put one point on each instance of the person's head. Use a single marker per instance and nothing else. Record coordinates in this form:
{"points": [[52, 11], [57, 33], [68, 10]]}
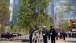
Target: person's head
{"points": [[36, 27], [44, 27], [51, 26]]}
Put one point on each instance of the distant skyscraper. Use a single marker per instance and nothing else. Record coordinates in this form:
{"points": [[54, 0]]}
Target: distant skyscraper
{"points": [[16, 5], [52, 10], [8, 1], [52, 7]]}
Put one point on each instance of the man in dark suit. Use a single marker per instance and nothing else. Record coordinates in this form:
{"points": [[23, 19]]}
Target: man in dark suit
{"points": [[64, 35], [52, 34], [30, 36], [45, 34]]}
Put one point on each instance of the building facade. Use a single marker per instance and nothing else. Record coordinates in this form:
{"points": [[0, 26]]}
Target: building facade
{"points": [[73, 25]]}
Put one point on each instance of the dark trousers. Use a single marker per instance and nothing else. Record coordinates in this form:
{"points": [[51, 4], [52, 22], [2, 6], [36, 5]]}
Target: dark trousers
{"points": [[52, 39], [64, 37], [30, 39], [45, 39]]}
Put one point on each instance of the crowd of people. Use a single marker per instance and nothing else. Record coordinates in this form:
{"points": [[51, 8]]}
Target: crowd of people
{"points": [[8, 35], [71, 34], [49, 34], [34, 35]]}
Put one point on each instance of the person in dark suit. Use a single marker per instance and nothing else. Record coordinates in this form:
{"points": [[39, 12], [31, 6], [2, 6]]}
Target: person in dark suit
{"points": [[45, 34], [52, 34], [64, 35], [30, 36], [8, 35], [61, 35]]}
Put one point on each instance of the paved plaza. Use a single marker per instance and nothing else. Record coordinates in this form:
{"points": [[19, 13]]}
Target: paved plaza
{"points": [[68, 40]]}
